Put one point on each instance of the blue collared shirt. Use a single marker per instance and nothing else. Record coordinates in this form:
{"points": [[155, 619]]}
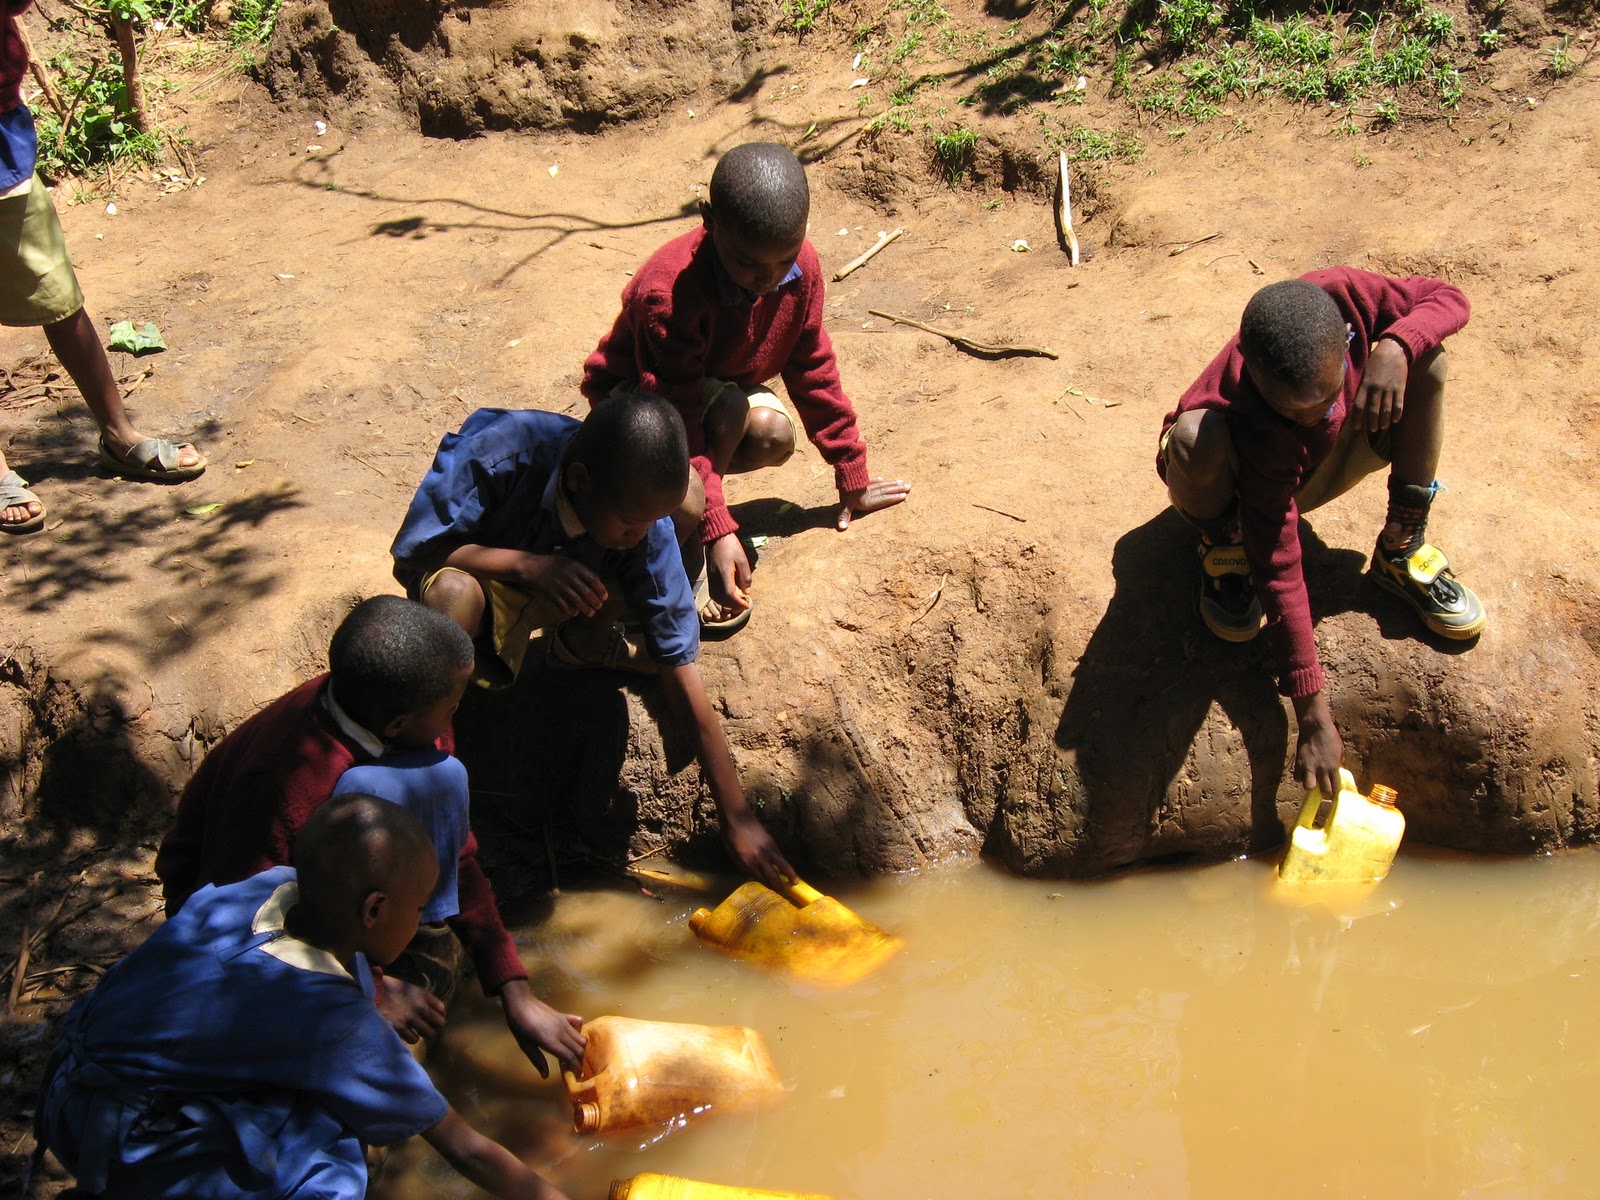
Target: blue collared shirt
{"points": [[729, 292], [19, 147], [496, 483]]}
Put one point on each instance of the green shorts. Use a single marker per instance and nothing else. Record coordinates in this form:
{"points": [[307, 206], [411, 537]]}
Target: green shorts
{"points": [[37, 284], [513, 616]]}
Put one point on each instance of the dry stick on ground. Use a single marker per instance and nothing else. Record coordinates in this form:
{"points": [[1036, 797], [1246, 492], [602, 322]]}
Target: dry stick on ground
{"points": [[1182, 246], [860, 260], [130, 72], [932, 600], [967, 343], [37, 68], [19, 973], [1069, 240], [1002, 512]]}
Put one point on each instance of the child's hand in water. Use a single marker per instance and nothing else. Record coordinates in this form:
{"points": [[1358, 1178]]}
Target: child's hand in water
{"points": [[879, 493], [414, 1011], [540, 1029], [754, 850], [576, 590]]}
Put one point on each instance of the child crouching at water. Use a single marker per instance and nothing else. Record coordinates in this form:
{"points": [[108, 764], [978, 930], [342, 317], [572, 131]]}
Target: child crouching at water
{"points": [[238, 1051]]}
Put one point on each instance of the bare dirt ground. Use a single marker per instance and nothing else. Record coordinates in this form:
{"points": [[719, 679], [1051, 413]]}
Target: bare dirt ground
{"points": [[1004, 663]]}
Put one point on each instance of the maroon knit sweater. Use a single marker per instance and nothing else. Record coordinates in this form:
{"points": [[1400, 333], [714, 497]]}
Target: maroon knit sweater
{"points": [[674, 331], [13, 56], [1276, 456], [241, 811]]}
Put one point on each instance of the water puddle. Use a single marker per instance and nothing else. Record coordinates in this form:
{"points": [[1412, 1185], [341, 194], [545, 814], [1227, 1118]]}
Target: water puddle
{"points": [[1175, 1033]]}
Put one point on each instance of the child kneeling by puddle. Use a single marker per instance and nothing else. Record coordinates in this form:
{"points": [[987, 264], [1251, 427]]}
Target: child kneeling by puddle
{"points": [[238, 1052]]}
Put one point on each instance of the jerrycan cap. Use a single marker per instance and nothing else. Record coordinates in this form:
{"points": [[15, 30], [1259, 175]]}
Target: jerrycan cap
{"points": [[1383, 794]]}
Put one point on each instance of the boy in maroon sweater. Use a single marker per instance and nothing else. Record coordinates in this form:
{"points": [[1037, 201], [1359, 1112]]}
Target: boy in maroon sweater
{"points": [[706, 322], [1331, 377], [398, 671]]}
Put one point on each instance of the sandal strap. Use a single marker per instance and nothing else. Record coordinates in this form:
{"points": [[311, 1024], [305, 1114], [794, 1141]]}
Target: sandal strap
{"points": [[14, 491]]}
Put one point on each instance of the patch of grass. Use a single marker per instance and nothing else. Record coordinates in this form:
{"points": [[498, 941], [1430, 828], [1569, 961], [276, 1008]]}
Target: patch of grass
{"points": [[1560, 63], [800, 16], [1083, 143], [100, 131], [952, 150], [253, 22], [1387, 111]]}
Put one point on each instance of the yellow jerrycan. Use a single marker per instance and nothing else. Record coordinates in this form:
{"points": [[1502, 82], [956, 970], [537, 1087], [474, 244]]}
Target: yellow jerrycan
{"points": [[801, 933], [643, 1073], [1356, 843], [670, 1187]]}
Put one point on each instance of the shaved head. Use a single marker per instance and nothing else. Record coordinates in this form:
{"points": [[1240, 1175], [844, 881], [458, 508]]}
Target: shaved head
{"points": [[759, 190]]}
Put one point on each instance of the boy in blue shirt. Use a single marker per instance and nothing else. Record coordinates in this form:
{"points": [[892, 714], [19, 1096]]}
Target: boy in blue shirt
{"points": [[238, 1052], [530, 520]]}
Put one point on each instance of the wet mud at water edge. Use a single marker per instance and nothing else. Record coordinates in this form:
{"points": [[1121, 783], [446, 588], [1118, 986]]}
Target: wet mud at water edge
{"points": [[1182, 1033]]}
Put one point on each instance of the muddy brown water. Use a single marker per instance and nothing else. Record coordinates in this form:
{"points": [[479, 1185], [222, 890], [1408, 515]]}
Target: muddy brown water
{"points": [[1183, 1033]]}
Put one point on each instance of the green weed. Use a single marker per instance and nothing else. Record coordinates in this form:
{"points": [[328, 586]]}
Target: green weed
{"points": [[800, 16], [1560, 63], [952, 150], [253, 21], [100, 130], [1489, 40], [1387, 111]]}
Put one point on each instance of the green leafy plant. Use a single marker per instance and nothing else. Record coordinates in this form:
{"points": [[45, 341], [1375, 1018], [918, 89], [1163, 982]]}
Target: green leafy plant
{"points": [[1387, 111], [1489, 40], [1560, 63], [952, 150], [800, 16], [99, 130], [253, 22]]}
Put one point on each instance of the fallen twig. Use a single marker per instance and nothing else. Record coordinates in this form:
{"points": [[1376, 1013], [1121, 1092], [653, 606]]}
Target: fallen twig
{"points": [[967, 343], [367, 463], [1220, 257], [861, 259], [934, 599], [1069, 240], [1255, 266], [1063, 398], [19, 973], [83, 88], [1191, 245], [1002, 512]]}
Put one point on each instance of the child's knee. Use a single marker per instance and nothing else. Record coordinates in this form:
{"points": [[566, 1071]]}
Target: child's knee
{"points": [[1199, 448], [724, 421], [686, 520], [1431, 371], [768, 438], [457, 595]]}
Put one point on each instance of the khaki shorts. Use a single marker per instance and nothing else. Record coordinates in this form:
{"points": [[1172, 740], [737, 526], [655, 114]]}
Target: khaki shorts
{"points": [[37, 284], [1355, 455], [711, 391], [514, 615]]}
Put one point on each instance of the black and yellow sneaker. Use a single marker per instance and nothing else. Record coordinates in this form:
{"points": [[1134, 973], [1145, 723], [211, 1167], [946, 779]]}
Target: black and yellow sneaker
{"points": [[1228, 602], [1423, 579]]}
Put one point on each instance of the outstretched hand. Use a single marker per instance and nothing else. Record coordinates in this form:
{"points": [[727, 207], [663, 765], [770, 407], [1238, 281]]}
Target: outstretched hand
{"points": [[1319, 751], [728, 569], [754, 850], [879, 493], [413, 1010], [1382, 393], [540, 1029]]}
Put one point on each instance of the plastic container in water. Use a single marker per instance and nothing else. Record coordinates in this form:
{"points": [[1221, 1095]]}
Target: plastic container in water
{"points": [[801, 933], [670, 1187], [645, 1073], [1354, 843]]}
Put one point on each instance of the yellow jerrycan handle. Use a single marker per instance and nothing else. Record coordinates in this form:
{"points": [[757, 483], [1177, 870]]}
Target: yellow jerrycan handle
{"points": [[799, 893]]}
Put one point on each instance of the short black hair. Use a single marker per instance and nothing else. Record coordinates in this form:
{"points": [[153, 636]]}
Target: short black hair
{"points": [[355, 845], [633, 443], [391, 657], [1291, 329], [759, 189]]}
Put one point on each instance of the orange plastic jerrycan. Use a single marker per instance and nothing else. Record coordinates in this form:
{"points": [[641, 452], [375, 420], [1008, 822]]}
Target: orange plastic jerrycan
{"points": [[642, 1073], [802, 934], [670, 1187], [1355, 842]]}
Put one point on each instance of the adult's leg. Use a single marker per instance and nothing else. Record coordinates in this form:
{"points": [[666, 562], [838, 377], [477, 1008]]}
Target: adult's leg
{"points": [[18, 514], [77, 344]]}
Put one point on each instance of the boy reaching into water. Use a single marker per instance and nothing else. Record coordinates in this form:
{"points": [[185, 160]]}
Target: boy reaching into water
{"points": [[531, 521], [238, 1052], [708, 320], [1332, 377], [396, 673]]}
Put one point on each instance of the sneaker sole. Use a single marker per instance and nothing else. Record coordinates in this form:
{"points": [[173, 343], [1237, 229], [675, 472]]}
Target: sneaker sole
{"points": [[1236, 634], [1456, 633]]}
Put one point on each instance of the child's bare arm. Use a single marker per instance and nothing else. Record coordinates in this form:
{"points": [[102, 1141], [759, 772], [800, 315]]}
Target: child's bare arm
{"points": [[486, 1162], [748, 840], [574, 587]]}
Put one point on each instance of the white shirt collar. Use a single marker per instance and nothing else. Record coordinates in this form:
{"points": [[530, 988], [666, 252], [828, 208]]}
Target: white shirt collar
{"points": [[358, 734], [286, 947]]}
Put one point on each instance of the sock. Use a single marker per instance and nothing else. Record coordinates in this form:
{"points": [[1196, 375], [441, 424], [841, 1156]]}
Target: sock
{"points": [[1220, 530], [1407, 521]]}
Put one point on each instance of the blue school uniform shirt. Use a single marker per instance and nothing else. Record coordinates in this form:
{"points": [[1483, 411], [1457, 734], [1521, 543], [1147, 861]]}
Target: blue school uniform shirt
{"points": [[19, 147], [433, 785], [494, 484], [224, 1057]]}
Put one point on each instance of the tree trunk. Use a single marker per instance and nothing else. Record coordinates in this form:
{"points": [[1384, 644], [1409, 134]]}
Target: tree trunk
{"points": [[130, 73]]}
